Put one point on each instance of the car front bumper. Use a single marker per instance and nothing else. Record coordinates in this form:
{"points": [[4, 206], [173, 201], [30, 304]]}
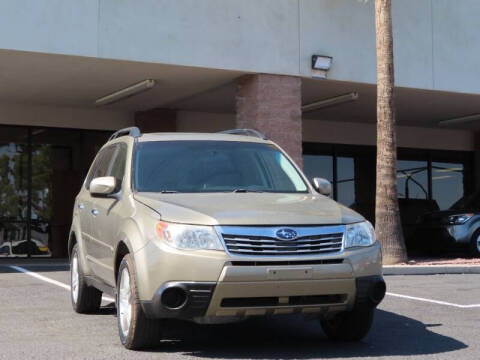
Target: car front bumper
{"points": [[232, 288]]}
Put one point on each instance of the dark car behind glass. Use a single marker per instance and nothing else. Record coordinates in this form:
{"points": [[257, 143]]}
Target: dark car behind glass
{"points": [[457, 227]]}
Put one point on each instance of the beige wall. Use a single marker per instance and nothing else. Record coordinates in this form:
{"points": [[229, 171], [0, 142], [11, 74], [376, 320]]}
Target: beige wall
{"points": [[190, 121], [66, 117], [408, 136], [340, 132]]}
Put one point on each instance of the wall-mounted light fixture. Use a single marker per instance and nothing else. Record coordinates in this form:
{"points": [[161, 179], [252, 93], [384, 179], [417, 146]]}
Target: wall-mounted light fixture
{"points": [[320, 66], [337, 100], [459, 120], [127, 92]]}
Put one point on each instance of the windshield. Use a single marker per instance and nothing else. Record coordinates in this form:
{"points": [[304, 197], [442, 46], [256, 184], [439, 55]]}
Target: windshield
{"points": [[213, 166]]}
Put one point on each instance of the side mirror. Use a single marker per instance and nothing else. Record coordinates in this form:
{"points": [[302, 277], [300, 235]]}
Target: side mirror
{"points": [[322, 185], [102, 186]]}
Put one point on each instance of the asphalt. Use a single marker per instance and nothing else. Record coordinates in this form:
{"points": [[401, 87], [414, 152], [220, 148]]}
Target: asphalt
{"points": [[37, 322]]}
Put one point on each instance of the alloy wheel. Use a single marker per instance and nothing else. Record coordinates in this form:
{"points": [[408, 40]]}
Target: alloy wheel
{"points": [[75, 278], [125, 302]]}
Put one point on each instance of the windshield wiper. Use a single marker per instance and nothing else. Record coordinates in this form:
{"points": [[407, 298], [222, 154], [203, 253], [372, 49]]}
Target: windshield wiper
{"points": [[246, 190], [168, 192]]}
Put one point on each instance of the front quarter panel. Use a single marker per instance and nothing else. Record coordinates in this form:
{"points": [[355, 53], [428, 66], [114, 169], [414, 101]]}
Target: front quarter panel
{"points": [[76, 236]]}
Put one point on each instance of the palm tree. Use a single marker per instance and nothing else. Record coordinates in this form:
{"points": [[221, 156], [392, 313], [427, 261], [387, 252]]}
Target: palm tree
{"points": [[387, 215]]}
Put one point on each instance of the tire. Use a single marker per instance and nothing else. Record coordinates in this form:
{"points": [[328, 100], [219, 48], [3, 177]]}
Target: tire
{"points": [[475, 244], [135, 329], [349, 325], [85, 299]]}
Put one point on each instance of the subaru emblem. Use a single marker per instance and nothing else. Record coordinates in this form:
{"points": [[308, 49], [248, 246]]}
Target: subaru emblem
{"points": [[286, 234]]}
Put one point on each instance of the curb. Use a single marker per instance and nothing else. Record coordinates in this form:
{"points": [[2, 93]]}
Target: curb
{"points": [[430, 269]]}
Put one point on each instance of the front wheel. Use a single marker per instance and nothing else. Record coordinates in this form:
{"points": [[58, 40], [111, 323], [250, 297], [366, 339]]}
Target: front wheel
{"points": [[135, 329], [349, 325], [85, 299], [475, 244]]}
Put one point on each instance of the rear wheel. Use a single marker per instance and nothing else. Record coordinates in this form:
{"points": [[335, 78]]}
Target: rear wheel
{"points": [[475, 244], [135, 329], [85, 299], [349, 325]]}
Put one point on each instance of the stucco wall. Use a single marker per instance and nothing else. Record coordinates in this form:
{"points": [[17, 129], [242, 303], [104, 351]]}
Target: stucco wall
{"points": [[335, 132], [64, 117], [436, 44]]}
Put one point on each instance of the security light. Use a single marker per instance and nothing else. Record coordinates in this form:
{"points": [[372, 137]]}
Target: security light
{"points": [[127, 92], [330, 102], [321, 62], [320, 66], [459, 120]]}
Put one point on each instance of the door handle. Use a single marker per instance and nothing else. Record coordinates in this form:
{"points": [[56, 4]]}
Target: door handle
{"points": [[81, 206], [94, 212]]}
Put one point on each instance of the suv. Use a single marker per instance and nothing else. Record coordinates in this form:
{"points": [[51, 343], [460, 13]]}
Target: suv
{"points": [[214, 228]]}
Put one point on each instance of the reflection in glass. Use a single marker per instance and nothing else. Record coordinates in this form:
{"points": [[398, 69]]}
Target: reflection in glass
{"points": [[318, 166], [346, 181], [13, 194], [412, 177], [447, 183]]}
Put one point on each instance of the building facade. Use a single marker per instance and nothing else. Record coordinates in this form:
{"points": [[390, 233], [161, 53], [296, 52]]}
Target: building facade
{"points": [[221, 64]]}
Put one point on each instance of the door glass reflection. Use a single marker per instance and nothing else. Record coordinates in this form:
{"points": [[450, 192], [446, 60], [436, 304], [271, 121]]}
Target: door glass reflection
{"points": [[447, 183], [346, 181], [13, 195]]}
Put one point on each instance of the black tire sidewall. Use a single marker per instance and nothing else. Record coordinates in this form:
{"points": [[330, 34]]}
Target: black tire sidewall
{"points": [[88, 298], [473, 244], [81, 283], [126, 263]]}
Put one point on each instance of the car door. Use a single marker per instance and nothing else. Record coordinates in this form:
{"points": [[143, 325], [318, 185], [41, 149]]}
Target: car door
{"points": [[108, 217], [93, 245], [83, 204]]}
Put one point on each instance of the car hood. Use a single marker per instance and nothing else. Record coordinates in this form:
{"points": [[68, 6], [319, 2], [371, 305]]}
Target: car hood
{"points": [[248, 209]]}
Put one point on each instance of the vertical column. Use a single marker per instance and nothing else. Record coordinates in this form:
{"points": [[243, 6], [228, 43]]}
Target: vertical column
{"points": [[272, 104], [156, 120]]}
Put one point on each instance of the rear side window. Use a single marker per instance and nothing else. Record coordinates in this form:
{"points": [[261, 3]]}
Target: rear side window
{"points": [[101, 164]]}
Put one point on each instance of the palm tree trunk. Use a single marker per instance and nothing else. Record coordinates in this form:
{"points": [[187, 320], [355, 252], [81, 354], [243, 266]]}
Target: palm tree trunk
{"points": [[387, 215]]}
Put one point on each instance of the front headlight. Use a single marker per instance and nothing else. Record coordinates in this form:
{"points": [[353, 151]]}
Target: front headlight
{"points": [[359, 234], [459, 219], [189, 237]]}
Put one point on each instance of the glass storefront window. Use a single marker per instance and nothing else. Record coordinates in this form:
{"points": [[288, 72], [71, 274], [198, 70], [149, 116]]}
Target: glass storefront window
{"points": [[447, 183], [14, 189], [346, 181], [318, 166], [412, 177], [343, 183], [41, 171]]}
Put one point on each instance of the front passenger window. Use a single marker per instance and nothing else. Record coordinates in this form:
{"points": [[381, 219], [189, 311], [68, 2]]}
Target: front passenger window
{"points": [[101, 165], [118, 166]]}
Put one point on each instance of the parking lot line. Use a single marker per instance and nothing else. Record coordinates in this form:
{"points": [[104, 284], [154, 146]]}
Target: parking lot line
{"points": [[51, 281], [433, 301], [108, 298]]}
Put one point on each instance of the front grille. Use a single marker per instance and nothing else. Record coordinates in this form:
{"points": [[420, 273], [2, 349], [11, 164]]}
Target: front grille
{"points": [[287, 263], [270, 246]]}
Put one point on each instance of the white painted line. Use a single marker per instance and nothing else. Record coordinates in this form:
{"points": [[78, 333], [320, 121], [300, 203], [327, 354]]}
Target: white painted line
{"points": [[433, 301], [108, 298], [51, 281]]}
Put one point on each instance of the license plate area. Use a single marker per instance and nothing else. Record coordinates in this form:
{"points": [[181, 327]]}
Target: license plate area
{"points": [[293, 273]]}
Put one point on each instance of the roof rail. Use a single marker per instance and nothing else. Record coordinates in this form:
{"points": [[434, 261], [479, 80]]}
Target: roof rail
{"points": [[130, 131], [246, 132]]}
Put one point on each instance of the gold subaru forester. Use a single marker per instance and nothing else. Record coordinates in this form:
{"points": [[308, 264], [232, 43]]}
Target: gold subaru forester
{"points": [[215, 228]]}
